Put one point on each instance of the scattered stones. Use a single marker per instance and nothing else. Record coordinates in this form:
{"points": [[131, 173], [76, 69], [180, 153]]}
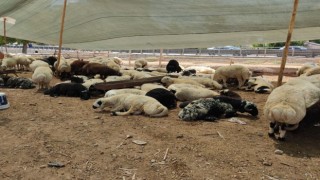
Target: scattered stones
{"points": [[128, 136], [153, 160], [97, 117], [278, 151], [179, 136], [55, 164], [139, 142], [266, 163]]}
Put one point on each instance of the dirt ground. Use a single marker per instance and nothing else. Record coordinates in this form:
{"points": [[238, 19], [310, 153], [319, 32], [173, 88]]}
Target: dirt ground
{"points": [[39, 129]]}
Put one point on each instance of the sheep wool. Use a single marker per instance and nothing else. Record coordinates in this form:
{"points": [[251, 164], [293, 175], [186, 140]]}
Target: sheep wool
{"points": [[132, 104]]}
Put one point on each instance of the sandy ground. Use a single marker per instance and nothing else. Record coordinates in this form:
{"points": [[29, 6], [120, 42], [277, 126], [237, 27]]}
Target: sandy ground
{"points": [[39, 129]]}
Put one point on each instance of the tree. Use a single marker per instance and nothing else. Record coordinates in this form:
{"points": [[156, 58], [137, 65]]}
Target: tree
{"points": [[19, 41]]}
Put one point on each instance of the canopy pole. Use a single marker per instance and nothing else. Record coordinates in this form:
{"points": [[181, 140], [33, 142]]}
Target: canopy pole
{"points": [[160, 58], [61, 31], [5, 34], [285, 52]]}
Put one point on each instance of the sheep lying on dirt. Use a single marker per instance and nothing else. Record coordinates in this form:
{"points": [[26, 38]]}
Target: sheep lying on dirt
{"points": [[149, 86], [168, 81], [286, 106], [70, 90], [209, 83], [234, 71], [305, 68], [114, 92], [132, 104], [259, 85], [211, 109], [202, 69], [17, 82], [164, 96]]}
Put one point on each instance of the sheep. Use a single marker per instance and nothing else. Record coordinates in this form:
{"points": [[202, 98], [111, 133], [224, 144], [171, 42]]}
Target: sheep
{"points": [[306, 67], [124, 91], [168, 81], [149, 86], [209, 83], [233, 71], [70, 90], [92, 69], [23, 62], [135, 74], [132, 104], [164, 96], [38, 63], [18, 82], [10, 62], [312, 71], [229, 93], [76, 66], [42, 76], [140, 63], [78, 79], [286, 105], [190, 94], [189, 72], [259, 85], [201, 69], [63, 70], [91, 82], [117, 78], [213, 108], [173, 66]]}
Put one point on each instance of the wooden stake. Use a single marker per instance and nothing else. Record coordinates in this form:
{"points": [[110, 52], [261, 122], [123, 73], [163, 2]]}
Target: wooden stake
{"points": [[129, 58], [4, 34], [160, 59], [285, 52], [61, 31]]}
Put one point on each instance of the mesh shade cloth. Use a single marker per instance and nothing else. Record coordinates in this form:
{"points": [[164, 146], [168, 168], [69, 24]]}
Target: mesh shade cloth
{"points": [[154, 24]]}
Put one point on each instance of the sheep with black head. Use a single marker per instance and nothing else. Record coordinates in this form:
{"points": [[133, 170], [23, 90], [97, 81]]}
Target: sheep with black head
{"points": [[173, 66], [164, 96]]}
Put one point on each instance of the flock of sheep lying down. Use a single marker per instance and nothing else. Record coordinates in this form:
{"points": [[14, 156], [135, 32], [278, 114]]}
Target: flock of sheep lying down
{"points": [[201, 91]]}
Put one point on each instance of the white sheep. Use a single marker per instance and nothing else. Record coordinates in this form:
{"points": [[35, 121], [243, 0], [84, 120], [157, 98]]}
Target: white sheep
{"points": [[209, 83], [135, 74], [286, 105], [304, 68], [132, 104], [140, 63], [90, 82], [117, 78], [201, 69], [168, 81], [38, 63], [114, 92], [259, 85], [9, 62], [189, 92], [42, 76], [240, 72]]}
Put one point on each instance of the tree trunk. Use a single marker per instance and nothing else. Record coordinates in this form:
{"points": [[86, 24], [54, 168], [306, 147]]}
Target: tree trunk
{"points": [[24, 47]]}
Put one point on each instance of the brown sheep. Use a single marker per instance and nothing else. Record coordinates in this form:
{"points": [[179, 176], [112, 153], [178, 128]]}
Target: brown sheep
{"points": [[76, 66], [92, 69]]}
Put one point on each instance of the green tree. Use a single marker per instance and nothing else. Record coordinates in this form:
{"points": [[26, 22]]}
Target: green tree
{"points": [[19, 41]]}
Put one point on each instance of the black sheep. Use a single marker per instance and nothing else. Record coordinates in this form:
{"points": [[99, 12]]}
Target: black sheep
{"points": [[164, 96], [69, 89], [173, 66], [239, 105], [18, 82], [216, 107], [190, 72]]}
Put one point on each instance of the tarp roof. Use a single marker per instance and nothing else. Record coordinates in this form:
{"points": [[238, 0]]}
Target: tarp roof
{"points": [[154, 24]]}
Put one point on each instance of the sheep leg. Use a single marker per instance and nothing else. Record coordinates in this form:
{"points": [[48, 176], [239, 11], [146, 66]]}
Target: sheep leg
{"points": [[272, 127], [282, 132], [132, 110], [224, 80]]}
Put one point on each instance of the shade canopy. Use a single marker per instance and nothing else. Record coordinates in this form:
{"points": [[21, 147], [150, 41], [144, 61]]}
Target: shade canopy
{"points": [[154, 24]]}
